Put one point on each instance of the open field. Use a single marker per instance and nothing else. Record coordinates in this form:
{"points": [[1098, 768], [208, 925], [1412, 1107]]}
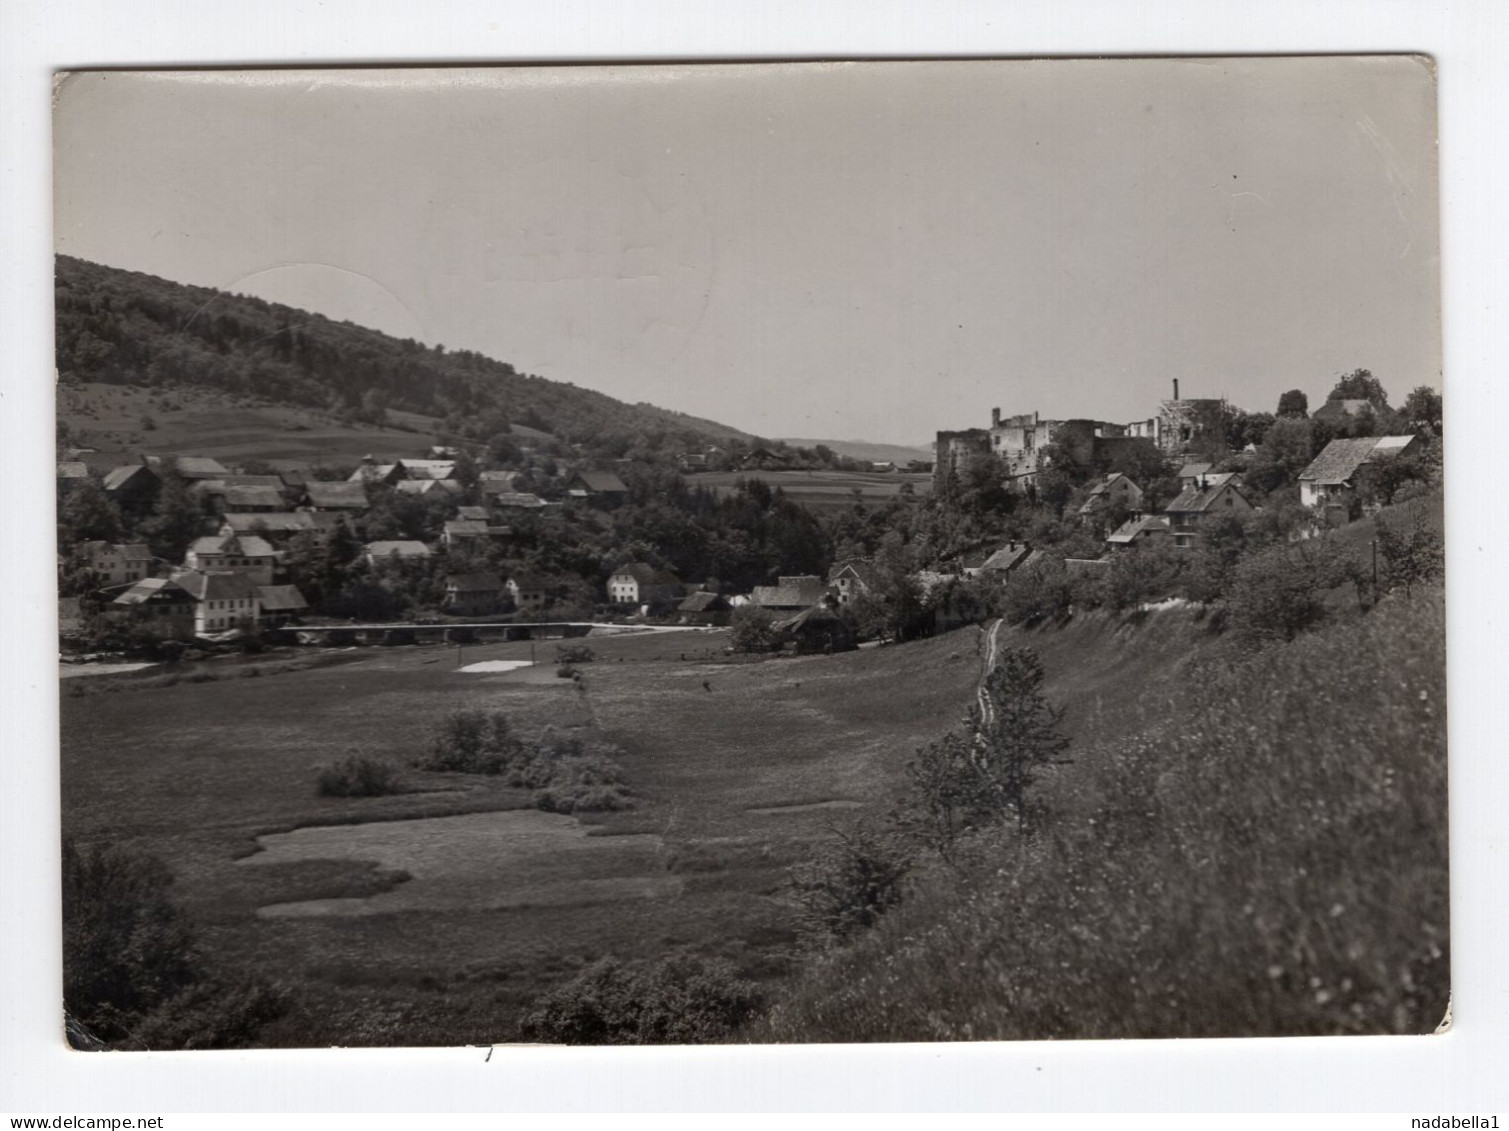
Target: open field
{"points": [[864, 449], [821, 490], [443, 930], [205, 422]]}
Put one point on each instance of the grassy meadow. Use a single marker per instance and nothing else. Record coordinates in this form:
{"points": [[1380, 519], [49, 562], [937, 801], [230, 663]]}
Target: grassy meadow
{"points": [[443, 933], [821, 491]]}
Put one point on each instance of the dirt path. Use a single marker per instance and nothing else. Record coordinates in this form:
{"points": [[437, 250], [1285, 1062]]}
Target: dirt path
{"points": [[992, 647]]}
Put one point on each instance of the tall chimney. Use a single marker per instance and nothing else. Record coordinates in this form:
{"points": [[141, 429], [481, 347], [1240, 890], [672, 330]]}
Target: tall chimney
{"points": [[995, 418], [1176, 388]]}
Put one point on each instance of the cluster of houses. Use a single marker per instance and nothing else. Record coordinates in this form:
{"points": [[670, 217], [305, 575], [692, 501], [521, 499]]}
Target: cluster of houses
{"points": [[232, 577]]}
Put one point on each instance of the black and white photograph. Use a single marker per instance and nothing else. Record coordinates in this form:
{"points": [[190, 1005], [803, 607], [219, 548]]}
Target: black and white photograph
{"points": [[751, 553]]}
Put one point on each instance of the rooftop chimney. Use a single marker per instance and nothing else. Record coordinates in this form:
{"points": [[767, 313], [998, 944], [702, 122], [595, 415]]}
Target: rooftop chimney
{"points": [[1176, 388]]}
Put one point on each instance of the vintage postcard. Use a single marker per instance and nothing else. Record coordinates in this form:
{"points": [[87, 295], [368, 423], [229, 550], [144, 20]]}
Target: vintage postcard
{"points": [[751, 553]]}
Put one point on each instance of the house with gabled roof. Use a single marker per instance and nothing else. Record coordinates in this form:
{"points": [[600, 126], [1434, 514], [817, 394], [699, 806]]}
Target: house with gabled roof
{"points": [[1196, 506], [279, 526], [324, 496], [222, 600], [851, 577], [1115, 490], [199, 467], [1330, 482], [790, 594], [161, 603], [280, 604], [639, 583], [514, 500], [472, 594], [247, 554], [703, 607], [527, 591], [118, 563], [475, 514], [428, 488], [1008, 558], [1139, 530], [597, 487], [428, 468], [370, 471], [133, 486]]}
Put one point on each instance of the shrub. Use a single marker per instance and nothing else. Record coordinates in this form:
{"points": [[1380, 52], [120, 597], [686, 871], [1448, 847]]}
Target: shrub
{"points": [[681, 1000], [1280, 592], [753, 629], [1409, 549], [849, 882], [1037, 591], [567, 654], [472, 742], [358, 776], [565, 671]]}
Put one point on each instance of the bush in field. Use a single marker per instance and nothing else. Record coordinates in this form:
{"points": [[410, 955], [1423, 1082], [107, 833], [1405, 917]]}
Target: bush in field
{"points": [[569, 776], [569, 654], [472, 742], [565, 671], [1280, 592], [681, 1000], [132, 976], [849, 882], [358, 776], [752, 629]]}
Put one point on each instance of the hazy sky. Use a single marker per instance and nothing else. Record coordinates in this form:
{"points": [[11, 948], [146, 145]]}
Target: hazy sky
{"points": [[870, 250]]}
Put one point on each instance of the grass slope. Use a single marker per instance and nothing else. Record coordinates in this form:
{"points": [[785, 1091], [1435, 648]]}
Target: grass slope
{"points": [[1267, 858], [197, 771]]}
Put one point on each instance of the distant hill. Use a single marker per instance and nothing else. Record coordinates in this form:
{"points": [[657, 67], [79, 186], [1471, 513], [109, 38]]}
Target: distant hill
{"points": [[240, 356], [864, 449]]}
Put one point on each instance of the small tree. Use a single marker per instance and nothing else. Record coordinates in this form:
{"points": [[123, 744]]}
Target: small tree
{"points": [[849, 882], [979, 778], [1294, 403]]}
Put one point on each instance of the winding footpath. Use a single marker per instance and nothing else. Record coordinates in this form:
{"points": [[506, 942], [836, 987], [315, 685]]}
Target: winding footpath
{"points": [[992, 648]]}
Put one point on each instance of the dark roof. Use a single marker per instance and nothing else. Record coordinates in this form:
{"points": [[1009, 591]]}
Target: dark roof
{"points": [[341, 495], [808, 618], [702, 602], [1194, 470], [1007, 558], [474, 582], [1195, 500], [281, 598], [478, 514], [1339, 460], [1341, 406], [215, 585], [1128, 531], [527, 581], [602, 481], [646, 574], [247, 481]]}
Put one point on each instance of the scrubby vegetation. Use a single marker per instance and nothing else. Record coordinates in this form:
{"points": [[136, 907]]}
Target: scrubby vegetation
{"points": [[358, 776], [133, 977], [1272, 862], [680, 1000], [568, 774]]}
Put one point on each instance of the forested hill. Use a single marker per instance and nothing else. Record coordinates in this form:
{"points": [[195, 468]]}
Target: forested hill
{"points": [[124, 327]]}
